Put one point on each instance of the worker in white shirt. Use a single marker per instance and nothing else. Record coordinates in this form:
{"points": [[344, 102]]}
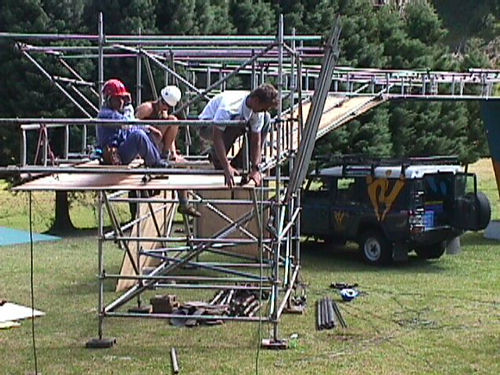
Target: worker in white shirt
{"points": [[239, 105]]}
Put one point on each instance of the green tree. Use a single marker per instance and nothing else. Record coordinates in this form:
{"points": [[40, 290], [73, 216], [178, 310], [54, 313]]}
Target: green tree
{"points": [[368, 135], [250, 17], [20, 77]]}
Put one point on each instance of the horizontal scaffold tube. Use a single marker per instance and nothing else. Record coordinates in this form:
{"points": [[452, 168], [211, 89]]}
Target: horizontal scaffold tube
{"points": [[86, 121], [164, 38]]}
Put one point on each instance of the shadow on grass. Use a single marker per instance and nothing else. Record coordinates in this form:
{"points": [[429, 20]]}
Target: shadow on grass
{"points": [[75, 232], [477, 239], [324, 257], [88, 286]]}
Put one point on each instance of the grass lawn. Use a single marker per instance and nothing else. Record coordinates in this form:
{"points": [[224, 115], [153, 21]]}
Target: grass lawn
{"points": [[422, 317]]}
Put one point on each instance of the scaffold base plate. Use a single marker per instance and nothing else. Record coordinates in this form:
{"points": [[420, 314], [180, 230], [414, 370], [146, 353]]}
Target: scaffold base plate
{"points": [[102, 343], [274, 344]]}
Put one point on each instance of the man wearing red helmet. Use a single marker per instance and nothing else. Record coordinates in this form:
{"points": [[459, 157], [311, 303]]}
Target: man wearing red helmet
{"points": [[130, 141]]}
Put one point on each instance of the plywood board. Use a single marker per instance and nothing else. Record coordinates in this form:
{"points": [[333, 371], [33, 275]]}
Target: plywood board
{"points": [[11, 312], [211, 222], [146, 228]]}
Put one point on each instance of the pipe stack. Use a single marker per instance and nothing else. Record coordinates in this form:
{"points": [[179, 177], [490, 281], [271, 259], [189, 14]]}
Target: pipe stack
{"points": [[328, 314]]}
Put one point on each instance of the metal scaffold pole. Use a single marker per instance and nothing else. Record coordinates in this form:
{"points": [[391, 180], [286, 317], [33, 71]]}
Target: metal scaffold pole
{"points": [[100, 67]]}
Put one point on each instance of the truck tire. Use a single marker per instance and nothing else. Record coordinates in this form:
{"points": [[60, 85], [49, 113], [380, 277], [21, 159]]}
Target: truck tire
{"points": [[484, 211], [472, 212], [375, 248], [433, 251]]}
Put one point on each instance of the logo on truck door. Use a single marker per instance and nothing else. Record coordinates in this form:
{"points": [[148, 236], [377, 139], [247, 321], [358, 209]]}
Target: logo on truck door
{"points": [[339, 217], [382, 194]]}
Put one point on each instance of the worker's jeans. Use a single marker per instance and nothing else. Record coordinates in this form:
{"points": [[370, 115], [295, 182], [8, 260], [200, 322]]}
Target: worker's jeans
{"points": [[229, 136], [139, 143]]}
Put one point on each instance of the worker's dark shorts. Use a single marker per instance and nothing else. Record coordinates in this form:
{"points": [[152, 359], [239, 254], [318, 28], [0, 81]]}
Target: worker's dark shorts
{"points": [[206, 132]]}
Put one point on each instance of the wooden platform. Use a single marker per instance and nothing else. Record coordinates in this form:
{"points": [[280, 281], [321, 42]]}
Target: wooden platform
{"points": [[99, 181]]}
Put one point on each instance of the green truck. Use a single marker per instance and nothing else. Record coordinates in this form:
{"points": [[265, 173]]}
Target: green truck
{"points": [[392, 207]]}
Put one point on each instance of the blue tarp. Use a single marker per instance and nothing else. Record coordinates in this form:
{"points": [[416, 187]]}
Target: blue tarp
{"points": [[10, 236]]}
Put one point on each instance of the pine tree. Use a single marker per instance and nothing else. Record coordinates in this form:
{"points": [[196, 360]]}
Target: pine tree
{"points": [[19, 93], [250, 17]]}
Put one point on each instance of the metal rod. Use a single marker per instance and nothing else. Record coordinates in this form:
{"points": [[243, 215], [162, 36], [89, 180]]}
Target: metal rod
{"points": [[288, 291], [228, 280], [141, 38], [100, 263], [100, 67], [196, 286], [51, 79], [138, 74], [178, 316], [226, 77], [103, 122], [151, 79], [175, 364]]}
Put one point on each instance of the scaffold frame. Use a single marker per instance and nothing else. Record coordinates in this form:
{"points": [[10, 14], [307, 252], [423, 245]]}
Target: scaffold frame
{"points": [[208, 63]]}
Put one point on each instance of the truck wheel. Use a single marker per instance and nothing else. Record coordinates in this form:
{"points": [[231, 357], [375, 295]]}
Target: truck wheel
{"points": [[472, 212], [484, 211], [375, 248], [433, 251]]}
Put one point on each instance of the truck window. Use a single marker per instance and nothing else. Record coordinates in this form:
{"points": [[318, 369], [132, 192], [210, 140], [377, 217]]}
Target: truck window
{"points": [[317, 188], [346, 189]]}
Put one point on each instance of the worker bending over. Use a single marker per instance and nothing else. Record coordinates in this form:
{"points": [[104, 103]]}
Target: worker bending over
{"points": [[239, 105]]}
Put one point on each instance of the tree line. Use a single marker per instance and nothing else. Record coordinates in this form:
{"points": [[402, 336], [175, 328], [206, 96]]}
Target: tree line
{"points": [[382, 37]]}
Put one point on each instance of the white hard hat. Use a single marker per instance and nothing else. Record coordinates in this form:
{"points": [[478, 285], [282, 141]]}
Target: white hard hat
{"points": [[171, 95]]}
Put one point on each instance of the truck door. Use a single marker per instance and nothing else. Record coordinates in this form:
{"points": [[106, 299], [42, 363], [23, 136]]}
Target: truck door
{"points": [[345, 207], [316, 203]]}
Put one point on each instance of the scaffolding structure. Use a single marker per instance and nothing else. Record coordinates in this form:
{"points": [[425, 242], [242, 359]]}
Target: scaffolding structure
{"points": [[272, 267], [266, 218]]}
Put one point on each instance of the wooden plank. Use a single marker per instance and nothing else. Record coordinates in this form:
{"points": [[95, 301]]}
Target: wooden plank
{"points": [[11, 311], [211, 222], [145, 228]]}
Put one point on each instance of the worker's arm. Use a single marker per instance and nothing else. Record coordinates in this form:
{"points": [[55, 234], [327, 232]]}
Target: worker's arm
{"points": [[143, 111], [220, 152], [255, 157]]}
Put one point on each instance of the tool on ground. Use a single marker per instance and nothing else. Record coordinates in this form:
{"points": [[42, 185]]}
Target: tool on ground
{"points": [[341, 286], [164, 304], [348, 294], [175, 363]]}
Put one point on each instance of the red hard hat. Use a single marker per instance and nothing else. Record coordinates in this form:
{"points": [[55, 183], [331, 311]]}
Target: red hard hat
{"points": [[114, 87]]}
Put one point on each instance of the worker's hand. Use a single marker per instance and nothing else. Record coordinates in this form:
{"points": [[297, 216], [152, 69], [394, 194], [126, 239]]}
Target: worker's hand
{"points": [[256, 176], [229, 174], [127, 99]]}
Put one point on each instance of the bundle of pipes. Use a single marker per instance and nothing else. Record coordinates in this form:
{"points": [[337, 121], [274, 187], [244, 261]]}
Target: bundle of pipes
{"points": [[240, 302], [328, 314]]}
